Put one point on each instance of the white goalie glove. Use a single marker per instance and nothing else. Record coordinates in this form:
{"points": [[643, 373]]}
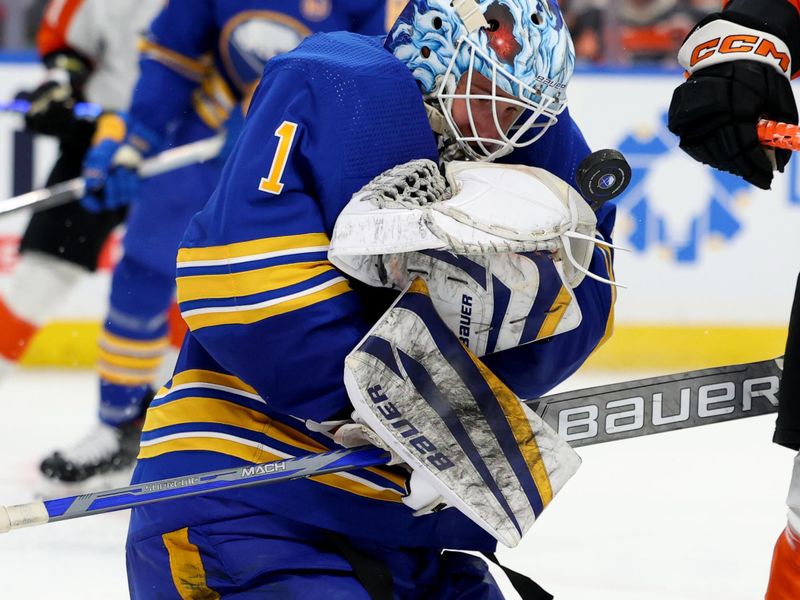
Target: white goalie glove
{"points": [[476, 208], [500, 254]]}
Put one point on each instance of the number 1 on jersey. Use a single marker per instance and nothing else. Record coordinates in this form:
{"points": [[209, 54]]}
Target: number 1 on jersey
{"points": [[272, 183]]}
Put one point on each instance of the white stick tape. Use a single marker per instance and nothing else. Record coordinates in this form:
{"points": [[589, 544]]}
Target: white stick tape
{"points": [[22, 515]]}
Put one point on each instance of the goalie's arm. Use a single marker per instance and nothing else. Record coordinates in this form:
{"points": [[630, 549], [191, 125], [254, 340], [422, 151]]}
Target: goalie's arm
{"points": [[172, 56], [254, 282]]}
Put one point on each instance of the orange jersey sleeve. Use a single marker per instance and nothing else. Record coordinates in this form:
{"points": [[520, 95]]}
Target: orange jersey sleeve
{"points": [[53, 29]]}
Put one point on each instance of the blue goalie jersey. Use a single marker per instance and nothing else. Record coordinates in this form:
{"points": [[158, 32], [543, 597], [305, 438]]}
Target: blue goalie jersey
{"points": [[271, 320]]}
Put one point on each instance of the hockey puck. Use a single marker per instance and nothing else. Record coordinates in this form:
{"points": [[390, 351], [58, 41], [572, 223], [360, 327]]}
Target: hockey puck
{"points": [[602, 176]]}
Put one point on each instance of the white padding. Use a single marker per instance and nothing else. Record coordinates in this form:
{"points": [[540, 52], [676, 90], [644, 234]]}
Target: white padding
{"points": [[493, 208], [513, 202], [406, 384]]}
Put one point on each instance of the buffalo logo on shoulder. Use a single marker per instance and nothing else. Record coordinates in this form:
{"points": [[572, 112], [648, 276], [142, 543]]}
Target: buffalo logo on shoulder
{"points": [[251, 39]]}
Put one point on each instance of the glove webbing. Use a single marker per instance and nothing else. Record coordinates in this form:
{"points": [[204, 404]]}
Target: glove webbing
{"points": [[410, 185]]}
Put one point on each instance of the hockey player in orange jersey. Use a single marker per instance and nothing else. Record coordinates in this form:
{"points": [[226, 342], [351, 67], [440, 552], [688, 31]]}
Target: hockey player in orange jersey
{"points": [[740, 63]]}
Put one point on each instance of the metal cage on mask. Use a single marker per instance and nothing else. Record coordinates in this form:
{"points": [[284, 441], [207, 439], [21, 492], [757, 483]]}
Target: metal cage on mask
{"points": [[537, 110]]}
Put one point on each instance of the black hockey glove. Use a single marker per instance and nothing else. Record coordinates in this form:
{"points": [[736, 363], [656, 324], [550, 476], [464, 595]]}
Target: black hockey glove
{"points": [[715, 114], [732, 85], [53, 102]]}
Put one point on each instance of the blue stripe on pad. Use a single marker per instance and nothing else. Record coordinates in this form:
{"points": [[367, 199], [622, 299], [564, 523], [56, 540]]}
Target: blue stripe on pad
{"points": [[471, 268], [549, 288], [423, 382], [457, 357], [382, 350], [502, 297]]}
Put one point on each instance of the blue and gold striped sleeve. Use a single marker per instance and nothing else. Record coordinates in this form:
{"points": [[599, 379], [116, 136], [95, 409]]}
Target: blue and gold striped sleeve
{"points": [[174, 55], [246, 282], [254, 283], [181, 37]]}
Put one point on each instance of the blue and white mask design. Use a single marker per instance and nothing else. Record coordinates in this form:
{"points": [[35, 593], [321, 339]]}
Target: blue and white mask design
{"points": [[520, 50]]}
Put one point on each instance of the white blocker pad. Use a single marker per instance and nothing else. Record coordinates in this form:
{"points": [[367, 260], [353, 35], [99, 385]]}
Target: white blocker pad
{"points": [[438, 407], [478, 208]]}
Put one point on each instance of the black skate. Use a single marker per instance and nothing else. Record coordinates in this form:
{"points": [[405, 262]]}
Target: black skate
{"points": [[104, 450]]}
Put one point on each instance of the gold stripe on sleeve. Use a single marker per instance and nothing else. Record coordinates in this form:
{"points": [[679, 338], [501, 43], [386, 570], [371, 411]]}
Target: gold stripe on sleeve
{"points": [[195, 409], [230, 285], [252, 248], [211, 318], [188, 67], [201, 376], [251, 454]]}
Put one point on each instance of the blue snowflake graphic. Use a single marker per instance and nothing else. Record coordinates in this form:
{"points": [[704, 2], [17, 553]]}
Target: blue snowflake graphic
{"points": [[716, 220]]}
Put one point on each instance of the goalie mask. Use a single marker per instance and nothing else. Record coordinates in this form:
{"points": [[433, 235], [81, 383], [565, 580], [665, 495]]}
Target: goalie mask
{"points": [[496, 69]]}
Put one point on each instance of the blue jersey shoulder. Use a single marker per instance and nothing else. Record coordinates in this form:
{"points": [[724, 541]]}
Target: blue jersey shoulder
{"points": [[361, 108]]}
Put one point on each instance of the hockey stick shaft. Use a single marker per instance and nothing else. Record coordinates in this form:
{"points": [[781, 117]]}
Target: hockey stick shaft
{"points": [[169, 160], [659, 404], [82, 110], [779, 135], [71, 507], [583, 417]]}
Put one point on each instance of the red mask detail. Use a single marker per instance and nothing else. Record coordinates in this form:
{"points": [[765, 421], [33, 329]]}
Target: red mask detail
{"points": [[502, 39]]}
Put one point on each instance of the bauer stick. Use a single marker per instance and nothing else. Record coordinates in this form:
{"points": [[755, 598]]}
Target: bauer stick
{"points": [[589, 416], [169, 160]]}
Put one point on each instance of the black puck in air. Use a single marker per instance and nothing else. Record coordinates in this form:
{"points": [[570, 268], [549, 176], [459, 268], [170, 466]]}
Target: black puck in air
{"points": [[602, 176]]}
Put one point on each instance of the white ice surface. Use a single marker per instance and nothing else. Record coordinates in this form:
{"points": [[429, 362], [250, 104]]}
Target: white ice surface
{"points": [[690, 515]]}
